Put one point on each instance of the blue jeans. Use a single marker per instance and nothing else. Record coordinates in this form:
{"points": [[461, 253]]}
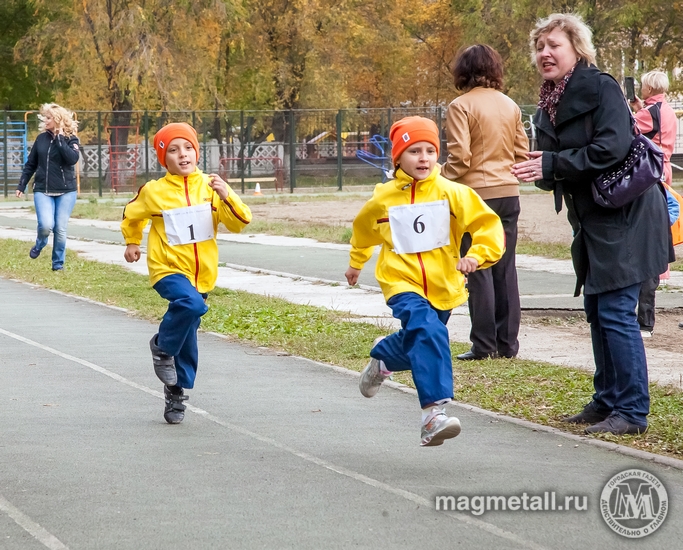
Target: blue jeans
{"points": [[421, 346], [620, 378], [53, 215], [178, 328]]}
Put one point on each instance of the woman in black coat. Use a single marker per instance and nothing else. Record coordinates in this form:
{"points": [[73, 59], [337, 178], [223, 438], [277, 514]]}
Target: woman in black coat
{"points": [[584, 129], [52, 159]]}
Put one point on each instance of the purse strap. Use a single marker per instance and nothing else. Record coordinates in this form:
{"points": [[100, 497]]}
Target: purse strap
{"points": [[634, 124]]}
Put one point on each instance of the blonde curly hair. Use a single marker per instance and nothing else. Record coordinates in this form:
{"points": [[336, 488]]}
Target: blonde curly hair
{"points": [[64, 119]]}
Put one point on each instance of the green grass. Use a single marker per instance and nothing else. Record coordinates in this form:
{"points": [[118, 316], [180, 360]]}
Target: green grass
{"points": [[98, 210], [677, 265], [531, 390], [286, 197], [320, 232], [547, 250]]}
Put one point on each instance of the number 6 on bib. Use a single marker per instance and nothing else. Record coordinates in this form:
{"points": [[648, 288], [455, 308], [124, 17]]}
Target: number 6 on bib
{"points": [[191, 224], [420, 227]]}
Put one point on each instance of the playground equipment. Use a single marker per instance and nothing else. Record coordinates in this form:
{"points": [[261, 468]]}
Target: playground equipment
{"points": [[14, 149], [123, 162], [378, 161]]}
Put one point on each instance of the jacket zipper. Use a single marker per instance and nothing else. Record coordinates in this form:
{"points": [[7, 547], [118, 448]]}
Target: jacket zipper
{"points": [[419, 255], [196, 252], [47, 168]]}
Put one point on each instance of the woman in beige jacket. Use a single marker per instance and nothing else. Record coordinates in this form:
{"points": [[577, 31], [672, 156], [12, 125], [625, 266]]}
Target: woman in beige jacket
{"points": [[485, 138]]}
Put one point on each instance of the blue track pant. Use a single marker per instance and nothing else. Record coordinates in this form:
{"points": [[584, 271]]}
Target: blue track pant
{"points": [[421, 346], [178, 328]]}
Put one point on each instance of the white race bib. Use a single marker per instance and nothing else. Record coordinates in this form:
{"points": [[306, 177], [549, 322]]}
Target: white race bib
{"points": [[420, 227], [190, 224]]}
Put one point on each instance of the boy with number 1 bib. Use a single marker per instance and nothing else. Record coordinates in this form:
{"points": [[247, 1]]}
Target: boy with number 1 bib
{"points": [[185, 207], [419, 218]]}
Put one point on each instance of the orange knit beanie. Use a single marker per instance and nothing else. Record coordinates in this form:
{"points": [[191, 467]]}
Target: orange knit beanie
{"points": [[168, 133], [410, 130]]}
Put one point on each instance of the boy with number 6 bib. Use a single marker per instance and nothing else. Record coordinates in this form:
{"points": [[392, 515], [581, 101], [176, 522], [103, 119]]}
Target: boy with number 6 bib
{"points": [[185, 207], [419, 218]]}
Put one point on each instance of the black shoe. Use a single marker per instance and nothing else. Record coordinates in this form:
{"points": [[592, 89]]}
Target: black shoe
{"points": [[174, 411], [164, 365], [615, 424], [471, 356], [589, 415], [34, 253]]}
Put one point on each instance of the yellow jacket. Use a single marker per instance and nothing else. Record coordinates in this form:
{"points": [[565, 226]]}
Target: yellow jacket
{"points": [[430, 274], [197, 261]]}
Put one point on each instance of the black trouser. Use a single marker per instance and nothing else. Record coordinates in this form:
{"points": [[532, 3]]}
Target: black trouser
{"points": [[495, 311], [646, 304]]}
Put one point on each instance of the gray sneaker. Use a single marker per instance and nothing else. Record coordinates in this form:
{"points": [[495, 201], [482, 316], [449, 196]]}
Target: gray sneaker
{"points": [[174, 410], [371, 378], [164, 365], [438, 428]]}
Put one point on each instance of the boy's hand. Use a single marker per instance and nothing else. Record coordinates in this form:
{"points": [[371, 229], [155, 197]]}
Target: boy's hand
{"points": [[219, 186], [467, 265], [132, 253], [352, 275]]}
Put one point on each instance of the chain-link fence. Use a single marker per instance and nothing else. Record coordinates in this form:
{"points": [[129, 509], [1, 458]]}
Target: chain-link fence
{"points": [[281, 150]]}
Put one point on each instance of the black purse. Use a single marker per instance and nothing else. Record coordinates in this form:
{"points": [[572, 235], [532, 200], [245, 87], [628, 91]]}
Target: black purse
{"points": [[640, 170]]}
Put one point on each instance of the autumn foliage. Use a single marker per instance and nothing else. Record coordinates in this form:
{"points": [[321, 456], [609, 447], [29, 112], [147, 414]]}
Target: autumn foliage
{"points": [[119, 55]]}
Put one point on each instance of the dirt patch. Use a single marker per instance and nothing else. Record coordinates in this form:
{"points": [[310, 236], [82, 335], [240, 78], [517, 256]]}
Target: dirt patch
{"points": [[667, 336]]}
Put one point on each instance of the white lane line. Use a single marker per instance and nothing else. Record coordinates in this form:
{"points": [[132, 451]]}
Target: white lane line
{"points": [[31, 527], [412, 497]]}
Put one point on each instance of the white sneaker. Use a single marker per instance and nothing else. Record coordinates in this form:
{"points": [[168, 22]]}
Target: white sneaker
{"points": [[372, 376], [647, 333], [438, 427]]}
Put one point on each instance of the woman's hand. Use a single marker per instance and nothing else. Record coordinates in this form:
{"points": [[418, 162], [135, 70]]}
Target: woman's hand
{"points": [[18, 193], [636, 104], [530, 170]]}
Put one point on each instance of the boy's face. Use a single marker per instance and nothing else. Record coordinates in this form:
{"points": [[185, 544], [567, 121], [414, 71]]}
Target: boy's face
{"points": [[418, 160], [181, 158]]}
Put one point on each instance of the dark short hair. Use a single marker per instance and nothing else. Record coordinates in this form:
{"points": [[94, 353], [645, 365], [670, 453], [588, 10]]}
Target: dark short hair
{"points": [[478, 65]]}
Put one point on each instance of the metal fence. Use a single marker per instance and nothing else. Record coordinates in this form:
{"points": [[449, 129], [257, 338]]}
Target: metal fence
{"points": [[276, 149]]}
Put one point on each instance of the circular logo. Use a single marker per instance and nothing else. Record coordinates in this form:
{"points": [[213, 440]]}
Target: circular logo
{"points": [[634, 503]]}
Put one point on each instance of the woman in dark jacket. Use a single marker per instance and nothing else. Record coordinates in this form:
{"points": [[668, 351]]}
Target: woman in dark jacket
{"points": [[584, 129], [52, 159]]}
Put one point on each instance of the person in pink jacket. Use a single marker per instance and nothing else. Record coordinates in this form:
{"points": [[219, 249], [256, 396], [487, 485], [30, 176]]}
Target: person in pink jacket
{"points": [[655, 117], [656, 120]]}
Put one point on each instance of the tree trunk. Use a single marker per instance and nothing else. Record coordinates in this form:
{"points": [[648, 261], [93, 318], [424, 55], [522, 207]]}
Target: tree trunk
{"points": [[122, 170]]}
